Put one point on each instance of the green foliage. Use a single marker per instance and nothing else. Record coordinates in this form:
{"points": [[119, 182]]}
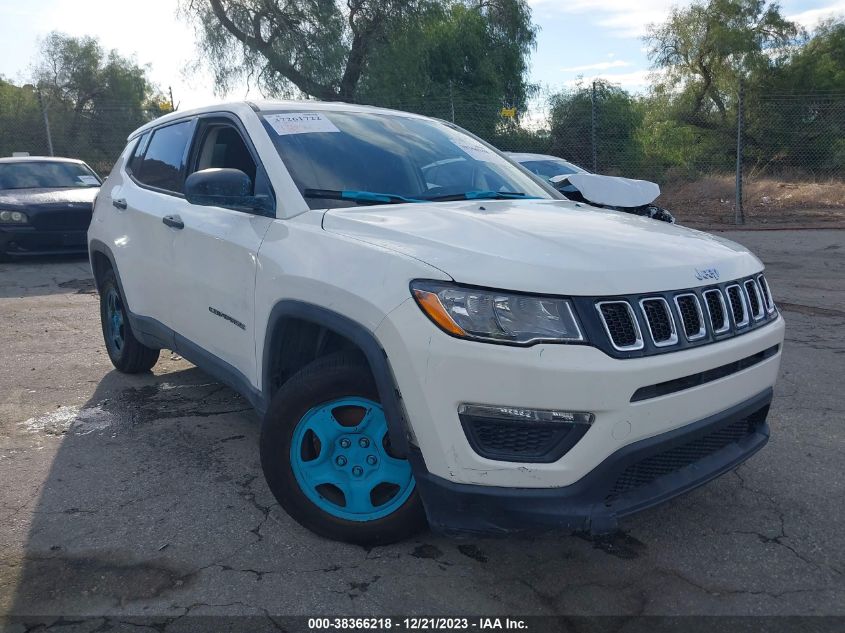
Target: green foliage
{"points": [[423, 55], [618, 116], [705, 47], [21, 127], [93, 99]]}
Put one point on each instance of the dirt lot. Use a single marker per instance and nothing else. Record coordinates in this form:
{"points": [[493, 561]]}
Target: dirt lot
{"points": [[143, 496], [767, 201]]}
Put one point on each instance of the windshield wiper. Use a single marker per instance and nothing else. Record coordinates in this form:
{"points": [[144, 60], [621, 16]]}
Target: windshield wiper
{"points": [[482, 195], [361, 197]]}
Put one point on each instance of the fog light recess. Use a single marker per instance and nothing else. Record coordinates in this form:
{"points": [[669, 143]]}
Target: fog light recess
{"points": [[518, 434]]}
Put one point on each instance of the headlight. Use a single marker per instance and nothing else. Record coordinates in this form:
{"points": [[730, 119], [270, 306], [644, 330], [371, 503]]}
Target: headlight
{"points": [[498, 317], [13, 217]]}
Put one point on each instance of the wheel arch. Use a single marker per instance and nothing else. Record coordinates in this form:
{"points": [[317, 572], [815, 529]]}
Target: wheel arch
{"points": [[286, 312]]}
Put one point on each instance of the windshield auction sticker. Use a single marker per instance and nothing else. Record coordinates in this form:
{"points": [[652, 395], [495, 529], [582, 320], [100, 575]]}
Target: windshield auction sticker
{"points": [[300, 123], [475, 149]]}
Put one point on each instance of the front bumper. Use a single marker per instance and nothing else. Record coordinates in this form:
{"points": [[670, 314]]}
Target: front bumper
{"points": [[635, 477], [28, 241]]}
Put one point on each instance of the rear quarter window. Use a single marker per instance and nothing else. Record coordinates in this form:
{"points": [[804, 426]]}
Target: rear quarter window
{"points": [[162, 162]]}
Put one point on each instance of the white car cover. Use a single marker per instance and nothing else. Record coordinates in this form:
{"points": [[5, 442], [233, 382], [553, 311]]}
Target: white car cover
{"points": [[611, 190]]}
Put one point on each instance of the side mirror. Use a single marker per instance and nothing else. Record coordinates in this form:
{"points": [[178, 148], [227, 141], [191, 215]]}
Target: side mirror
{"points": [[228, 188]]}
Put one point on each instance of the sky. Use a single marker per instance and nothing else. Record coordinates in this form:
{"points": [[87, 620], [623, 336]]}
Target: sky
{"points": [[578, 38]]}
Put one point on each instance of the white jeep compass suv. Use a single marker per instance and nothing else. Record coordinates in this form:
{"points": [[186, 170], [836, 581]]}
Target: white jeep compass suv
{"points": [[429, 331]]}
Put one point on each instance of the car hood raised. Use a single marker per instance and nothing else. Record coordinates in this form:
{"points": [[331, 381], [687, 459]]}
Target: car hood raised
{"points": [[547, 246], [48, 198]]}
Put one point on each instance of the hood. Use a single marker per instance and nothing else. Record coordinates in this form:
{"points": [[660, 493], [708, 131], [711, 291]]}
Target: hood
{"points": [[611, 190], [547, 246], [48, 198]]}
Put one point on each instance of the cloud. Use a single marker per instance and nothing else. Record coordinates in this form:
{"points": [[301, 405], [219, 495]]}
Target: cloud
{"points": [[635, 80], [811, 18], [617, 63], [620, 17]]}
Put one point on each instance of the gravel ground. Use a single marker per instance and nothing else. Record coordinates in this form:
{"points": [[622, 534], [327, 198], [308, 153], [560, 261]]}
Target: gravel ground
{"points": [[143, 496]]}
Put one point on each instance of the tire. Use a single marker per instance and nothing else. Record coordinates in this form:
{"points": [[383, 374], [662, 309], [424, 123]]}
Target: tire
{"points": [[326, 456], [126, 353]]}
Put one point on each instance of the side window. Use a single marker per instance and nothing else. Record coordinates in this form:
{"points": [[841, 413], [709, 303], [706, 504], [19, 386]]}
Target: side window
{"points": [[134, 161], [161, 166], [223, 147]]}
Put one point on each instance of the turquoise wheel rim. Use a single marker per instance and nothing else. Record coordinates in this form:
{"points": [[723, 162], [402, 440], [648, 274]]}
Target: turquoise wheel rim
{"points": [[341, 461], [115, 327]]}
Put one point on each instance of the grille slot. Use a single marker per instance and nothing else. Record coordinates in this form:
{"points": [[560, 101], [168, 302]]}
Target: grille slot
{"points": [[755, 299], [621, 325], [659, 321], [651, 468], [739, 310], [717, 310], [692, 319], [767, 295]]}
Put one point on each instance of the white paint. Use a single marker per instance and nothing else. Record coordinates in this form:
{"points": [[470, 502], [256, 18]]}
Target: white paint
{"points": [[612, 190], [74, 419]]}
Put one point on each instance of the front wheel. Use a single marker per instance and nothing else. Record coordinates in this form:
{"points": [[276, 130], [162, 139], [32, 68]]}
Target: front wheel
{"points": [[126, 353], [326, 455]]}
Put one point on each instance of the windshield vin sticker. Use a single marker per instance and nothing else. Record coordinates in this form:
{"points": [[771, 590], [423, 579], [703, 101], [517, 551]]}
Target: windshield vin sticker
{"points": [[300, 123], [476, 150]]}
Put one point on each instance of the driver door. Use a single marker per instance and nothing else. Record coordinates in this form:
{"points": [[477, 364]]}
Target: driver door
{"points": [[215, 257]]}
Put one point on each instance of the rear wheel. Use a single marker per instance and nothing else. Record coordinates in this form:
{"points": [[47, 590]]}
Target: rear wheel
{"points": [[126, 353], [326, 454]]}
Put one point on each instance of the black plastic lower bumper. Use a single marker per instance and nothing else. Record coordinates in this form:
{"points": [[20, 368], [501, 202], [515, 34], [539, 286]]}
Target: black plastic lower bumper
{"points": [[636, 477], [25, 241]]}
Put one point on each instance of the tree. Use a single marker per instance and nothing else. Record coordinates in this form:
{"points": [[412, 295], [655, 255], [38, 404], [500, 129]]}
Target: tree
{"points": [[795, 112], [618, 117], [367, 49], [705, 47], [456, 61], [94, 98]]}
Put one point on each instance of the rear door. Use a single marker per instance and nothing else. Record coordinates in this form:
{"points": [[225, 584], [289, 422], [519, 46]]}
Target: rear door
{"points": [[215, 256], [152, 192]]}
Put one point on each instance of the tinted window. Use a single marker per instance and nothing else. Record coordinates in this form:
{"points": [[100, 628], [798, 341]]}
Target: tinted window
{"points": [[46, 175], [162, 163], [134, 163], [551, 168], [388, 153]]}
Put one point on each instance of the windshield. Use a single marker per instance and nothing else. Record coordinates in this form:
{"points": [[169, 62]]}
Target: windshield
{"points": [[400, 157], [552, 167], [46, 175]]}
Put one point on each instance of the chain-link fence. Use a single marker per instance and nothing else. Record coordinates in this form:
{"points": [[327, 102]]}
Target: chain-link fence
{"points": [[785, 154]]}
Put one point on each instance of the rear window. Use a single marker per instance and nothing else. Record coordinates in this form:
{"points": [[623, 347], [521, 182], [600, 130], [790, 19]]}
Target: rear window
{"points": [[161, 166], [46, 175]]}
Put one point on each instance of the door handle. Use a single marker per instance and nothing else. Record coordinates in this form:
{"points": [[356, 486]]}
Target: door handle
{"points": [[173, 221], [118, 203]]}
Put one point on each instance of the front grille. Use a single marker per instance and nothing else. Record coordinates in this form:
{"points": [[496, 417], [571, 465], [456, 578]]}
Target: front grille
{"points": [[755, 301], [659, 320], [620, 324], [649, 469], [61, 220], [692, 319], [737, 304], [767, 296], [716, 310], [632, 326]]}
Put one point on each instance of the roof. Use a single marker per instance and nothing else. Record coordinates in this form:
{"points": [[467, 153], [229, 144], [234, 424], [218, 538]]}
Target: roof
{"points": [[271, 106], [40, 159]]}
